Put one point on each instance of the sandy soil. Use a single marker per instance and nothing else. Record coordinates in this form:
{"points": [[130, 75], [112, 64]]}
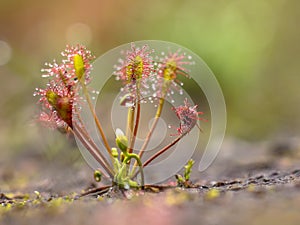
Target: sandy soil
{"points": [[247, 184]]}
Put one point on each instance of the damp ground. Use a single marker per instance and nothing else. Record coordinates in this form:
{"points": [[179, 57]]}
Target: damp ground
{"points": [[248, 183]]}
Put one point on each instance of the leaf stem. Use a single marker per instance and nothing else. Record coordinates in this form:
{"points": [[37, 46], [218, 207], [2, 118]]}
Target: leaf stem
{"points": [[162, 151], [136, 125], [92, 148], [139, 162], [153, 126], [98, 124], [130, 124]]}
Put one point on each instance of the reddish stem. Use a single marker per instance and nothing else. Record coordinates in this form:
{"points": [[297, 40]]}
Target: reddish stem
{"points": [[92, 148], [162, 151]]}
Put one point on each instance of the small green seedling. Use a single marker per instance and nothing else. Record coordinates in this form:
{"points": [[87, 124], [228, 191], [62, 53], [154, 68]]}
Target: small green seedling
{"points": [[184, 181]]}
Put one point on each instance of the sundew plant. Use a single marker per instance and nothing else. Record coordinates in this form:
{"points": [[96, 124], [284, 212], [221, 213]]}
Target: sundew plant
{"points": [[146, 76]]}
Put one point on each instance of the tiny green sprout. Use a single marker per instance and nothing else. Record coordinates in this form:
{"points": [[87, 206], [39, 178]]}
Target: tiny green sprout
{"points": [[114, 153], [121, 140], [184, 181], [180, 180], [188, 169], [116, 163], [97, 175], [122, 177]]}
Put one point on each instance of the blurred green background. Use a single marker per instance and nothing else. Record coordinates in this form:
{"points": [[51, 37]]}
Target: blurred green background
{"points": [[251, 46]]}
